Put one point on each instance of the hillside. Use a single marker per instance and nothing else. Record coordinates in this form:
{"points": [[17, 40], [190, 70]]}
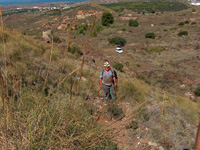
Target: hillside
{"points": [[115, 1], [48, 103]]}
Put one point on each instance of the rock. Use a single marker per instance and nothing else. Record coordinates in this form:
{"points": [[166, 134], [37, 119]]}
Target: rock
{"points": [[188, 94], [182, 86], [193, 98], [161, 148], [152, 144]]}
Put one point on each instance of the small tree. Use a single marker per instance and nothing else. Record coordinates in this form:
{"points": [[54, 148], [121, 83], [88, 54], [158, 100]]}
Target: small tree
{"points": [[181, 24], [181, 33], [150, 35], [117, 40], [107, 19], [133, 23]]}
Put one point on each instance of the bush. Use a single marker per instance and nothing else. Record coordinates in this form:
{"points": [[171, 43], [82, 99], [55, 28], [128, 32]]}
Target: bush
{"points": [[123, 29], [186, 22], [197, 91], [181, 24], [181, 33], [107, 19], [75, 50], [56, 39], [133, 23], [117, 40], [108, 31], [99, 28], [118, 66], [133, 125], [115, 111], [94, 34], [193, 23], [150, 35]]}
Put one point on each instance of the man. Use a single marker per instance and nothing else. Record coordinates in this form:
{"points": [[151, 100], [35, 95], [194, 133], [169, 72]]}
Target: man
{"points": [[108, 81]]}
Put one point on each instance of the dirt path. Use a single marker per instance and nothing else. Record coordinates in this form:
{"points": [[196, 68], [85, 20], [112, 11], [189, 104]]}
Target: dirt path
{"points": [[118, 131]]}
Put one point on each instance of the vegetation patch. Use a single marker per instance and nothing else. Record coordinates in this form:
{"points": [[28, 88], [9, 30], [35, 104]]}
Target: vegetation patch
{"points": [[197, 91], [108, 31], [150, 35], [144, 79], [147, 6], [118, 66], [133, 125], [133, 23], [75, 50], [115, 111], [181, 24], [183, 33], [117, 40], [107, 19]]}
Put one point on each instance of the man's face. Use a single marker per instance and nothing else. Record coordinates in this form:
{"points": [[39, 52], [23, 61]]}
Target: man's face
{"points": [[106, 68]]}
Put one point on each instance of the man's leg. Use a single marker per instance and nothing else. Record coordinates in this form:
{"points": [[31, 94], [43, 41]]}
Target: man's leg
{"points": [[106, 91], [112, 92]]}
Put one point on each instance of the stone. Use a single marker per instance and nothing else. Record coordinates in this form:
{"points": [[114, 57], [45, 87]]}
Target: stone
{"points": [[161, 148], [193, 98], [188, 94], [182, 86]]}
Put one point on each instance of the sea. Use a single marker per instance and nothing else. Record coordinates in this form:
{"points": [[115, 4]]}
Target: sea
{"points": [[21, 2]]}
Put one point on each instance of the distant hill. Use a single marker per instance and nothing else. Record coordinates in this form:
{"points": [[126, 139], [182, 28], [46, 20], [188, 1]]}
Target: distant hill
{"points": [[114, 1]]}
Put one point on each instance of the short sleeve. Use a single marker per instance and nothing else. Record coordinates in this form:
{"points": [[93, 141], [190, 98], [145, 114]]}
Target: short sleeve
{"points": [[101, 75]]}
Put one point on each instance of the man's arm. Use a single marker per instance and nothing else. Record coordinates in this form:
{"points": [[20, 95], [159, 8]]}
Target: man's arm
{"points": [[115, 83], [100, 82]]}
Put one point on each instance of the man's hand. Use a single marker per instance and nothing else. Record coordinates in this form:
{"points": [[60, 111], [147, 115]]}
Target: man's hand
{"points": [[115, 84], [101, 86]]}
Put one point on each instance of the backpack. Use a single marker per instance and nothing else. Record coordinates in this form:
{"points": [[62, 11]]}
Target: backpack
{"points": [[113, 72]]}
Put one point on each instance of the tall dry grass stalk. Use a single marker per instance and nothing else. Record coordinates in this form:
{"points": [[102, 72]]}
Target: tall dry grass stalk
{"points": [[85, 48], [2, 25], [164, 101], [92, 80], [67, 48], [69, 38], [5, 112], [50, 58], [84, 52]]}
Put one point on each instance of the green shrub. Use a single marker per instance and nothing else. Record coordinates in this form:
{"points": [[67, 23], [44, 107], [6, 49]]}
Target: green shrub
{"points": [[107, 19], [197, 91], [118, 66], [117, 40], [98, 28], [123, 29], [115, 111], [133, 23], [181, 33], [186, 22], [81, 31], [115, 25], [108, 31], [181, 24], [75, 50], [56, 39], [133, 125], [94, 34], [193, 10], [144, 79], [150, 35], [193, 23]]}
